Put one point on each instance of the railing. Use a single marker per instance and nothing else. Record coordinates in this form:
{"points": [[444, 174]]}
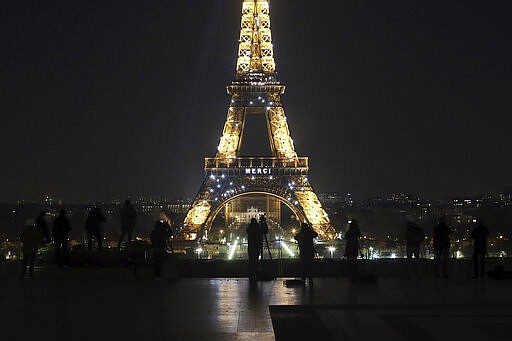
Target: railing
{"points": [[258, 162], [259, 88]]}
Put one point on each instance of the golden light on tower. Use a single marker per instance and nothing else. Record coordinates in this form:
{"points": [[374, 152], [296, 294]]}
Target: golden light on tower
{"points": [[198, 214], [256, 90], [255, 51]]}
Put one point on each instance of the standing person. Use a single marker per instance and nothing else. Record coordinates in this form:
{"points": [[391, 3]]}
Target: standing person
{"points": [[61, 228], [414, 237], [170, 232], [352, 247], [31, 238], [43, 226], [92, 226], [254, 247], [442, 246], [479, 236], [159, 246], [307, 250], [128, 216], [352, 237]]}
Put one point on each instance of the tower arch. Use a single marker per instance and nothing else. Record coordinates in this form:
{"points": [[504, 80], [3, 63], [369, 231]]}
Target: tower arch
{"points": [[213, 214]]}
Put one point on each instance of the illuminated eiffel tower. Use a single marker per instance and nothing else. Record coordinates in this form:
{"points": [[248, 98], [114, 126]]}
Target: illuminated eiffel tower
{"points": [[283, 176]]}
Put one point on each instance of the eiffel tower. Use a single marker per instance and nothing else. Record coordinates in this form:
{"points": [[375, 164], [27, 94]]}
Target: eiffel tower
{"points": [[256, 90]]}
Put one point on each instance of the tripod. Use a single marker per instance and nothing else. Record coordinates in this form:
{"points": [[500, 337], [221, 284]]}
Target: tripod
{"points": [[264, 228], [267, 271], [268, 248]]}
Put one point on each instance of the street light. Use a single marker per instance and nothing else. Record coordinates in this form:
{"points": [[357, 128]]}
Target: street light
{"points": [[331, 250], [199, 250]]}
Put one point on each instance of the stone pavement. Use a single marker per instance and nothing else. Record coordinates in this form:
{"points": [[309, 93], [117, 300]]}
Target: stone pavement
{"points": [[99, 307]]}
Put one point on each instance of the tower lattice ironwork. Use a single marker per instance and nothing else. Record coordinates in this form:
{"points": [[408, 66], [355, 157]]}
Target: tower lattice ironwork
{"points": [[256, 90]]}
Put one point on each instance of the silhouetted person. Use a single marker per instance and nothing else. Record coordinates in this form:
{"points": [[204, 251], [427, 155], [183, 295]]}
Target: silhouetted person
{"points": [[31, 238], [479, 236], [170, 233], [442, 246], [128, 216], [43, 226], [307, 249], [254, 247], [92, 226], [414, 237], [352, 240], [159, 245], [61, 229], [352, 245]]}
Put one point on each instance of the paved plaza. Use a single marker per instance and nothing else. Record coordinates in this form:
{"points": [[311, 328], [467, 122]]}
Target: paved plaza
{"points": [[102, 304]]}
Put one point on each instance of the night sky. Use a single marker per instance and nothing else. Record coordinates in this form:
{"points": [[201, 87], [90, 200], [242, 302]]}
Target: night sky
{"points": [[103, 99]]}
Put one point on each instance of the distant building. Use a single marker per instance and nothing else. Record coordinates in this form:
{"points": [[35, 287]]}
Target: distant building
{"points": [[336, 199], [245, 217], [404, 199]]}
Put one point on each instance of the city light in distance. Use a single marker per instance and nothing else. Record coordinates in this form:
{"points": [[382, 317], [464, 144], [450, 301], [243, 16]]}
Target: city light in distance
{"points": [[233, 249], [287, 249]]}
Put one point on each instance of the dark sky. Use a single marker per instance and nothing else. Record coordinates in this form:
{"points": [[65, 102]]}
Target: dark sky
{"points": [[101, 99]]}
